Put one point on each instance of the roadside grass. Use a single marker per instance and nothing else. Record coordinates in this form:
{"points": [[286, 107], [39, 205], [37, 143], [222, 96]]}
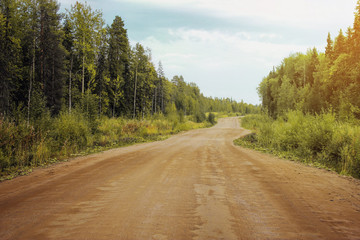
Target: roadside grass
{"points": [[24, 147], [317, 140]]}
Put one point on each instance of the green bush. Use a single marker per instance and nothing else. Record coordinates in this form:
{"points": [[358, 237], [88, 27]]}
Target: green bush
{"points": [[17, 144], [320, 139], [23, 146], [109, 131], [211, 118], [71, 132], [199, 116]]}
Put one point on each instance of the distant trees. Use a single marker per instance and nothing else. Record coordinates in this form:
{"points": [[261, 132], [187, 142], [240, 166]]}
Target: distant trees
{"points": [[316, 81]]}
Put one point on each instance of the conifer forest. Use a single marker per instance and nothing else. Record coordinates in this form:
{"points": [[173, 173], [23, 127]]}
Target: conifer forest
{"points": [[67, 78]]}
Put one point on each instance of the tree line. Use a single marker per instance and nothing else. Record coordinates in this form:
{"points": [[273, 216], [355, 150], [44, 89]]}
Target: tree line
{"points": [[311, 106], [52, 62], [314, 82]]}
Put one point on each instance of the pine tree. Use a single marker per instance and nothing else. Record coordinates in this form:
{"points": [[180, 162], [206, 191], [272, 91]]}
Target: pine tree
{"points": [[356, 33], [68, 43], [143, 74], [349, 40], [30, 91], [339, 45], [160, 87], [52, 54], [329, 49], [87, 28], [118, 57], [314, 61], [101, 78], [9, 55]]}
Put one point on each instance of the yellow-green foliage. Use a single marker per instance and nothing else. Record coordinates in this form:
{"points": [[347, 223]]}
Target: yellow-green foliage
{"points": [[109, 131], [225, 114], [320, 139], [22, 145], [70, 132], [16, 144]]}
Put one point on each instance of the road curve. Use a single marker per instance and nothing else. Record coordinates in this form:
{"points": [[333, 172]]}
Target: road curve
{"points": [[195, 185]]}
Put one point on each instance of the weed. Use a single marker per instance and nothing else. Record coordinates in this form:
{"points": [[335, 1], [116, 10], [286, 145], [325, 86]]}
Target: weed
{"points": [[317, 139]]}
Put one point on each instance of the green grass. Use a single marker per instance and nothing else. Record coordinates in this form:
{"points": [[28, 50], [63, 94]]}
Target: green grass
{"points": [[318, 140], [23, 147]]}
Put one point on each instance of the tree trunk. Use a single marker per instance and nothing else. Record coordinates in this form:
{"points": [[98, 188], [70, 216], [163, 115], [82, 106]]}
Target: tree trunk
{"points": [[156, 99], [152, 103], [29, 96], [100, 98], [162, 97], [115, 102], [135, 93], [83, 68], [83, 75], [32, 76], [70, 80], [42, 62], [53, 100]]}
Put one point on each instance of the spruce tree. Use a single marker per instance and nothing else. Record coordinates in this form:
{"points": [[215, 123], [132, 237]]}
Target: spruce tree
{"points": [[329, 49], [118, 58], [10, 64], [52, 54], [339, 45]]}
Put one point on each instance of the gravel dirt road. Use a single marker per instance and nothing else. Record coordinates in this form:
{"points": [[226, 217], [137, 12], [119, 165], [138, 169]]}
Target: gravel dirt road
{"points": [[195, 185]]}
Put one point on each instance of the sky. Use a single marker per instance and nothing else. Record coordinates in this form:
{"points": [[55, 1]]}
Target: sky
{"points": [[226, 47]]}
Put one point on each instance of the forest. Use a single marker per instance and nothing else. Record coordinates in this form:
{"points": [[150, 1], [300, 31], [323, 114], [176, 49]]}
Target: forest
{"points": [[69, 83], [311, 105]]}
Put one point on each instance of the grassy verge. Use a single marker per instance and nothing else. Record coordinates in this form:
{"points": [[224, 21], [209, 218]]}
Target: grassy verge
{"points": [[319, 140], [23, 147]]}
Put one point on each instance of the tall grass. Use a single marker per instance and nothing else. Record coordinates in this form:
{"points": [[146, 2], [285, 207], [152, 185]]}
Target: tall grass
{"points": [[318, 139], [23, 146]]}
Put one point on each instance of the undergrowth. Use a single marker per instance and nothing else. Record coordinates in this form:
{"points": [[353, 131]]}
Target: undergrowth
{"points": [[320, 140], [23, 146]]}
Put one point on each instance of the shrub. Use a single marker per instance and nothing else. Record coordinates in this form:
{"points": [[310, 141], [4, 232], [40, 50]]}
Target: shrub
{"points": [[70, 131], [109, 131], [16, 144], [199, 116], [132, 127], [22, 145], [211, 118], [316, 138]]}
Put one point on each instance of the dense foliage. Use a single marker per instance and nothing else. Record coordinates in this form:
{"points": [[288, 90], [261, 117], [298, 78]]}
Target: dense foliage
{"points": [[316, 81], [312, 106], [320, 140], [69, 84], [51, 61], [22, 146]]}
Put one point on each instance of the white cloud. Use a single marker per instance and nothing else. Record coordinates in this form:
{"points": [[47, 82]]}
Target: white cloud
{"points": [[309, 13], [229, 59], [207, 44], [223, 64]]}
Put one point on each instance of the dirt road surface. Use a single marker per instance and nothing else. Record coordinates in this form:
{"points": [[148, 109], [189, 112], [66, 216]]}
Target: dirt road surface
{"points": [[195, 185]]}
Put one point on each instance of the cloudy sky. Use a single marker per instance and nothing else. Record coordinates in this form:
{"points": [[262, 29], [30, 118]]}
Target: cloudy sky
{"points": [[226, 46]]}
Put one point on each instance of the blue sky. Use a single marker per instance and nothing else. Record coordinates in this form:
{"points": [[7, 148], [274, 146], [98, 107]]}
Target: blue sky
{"points": [[226, 46]]}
